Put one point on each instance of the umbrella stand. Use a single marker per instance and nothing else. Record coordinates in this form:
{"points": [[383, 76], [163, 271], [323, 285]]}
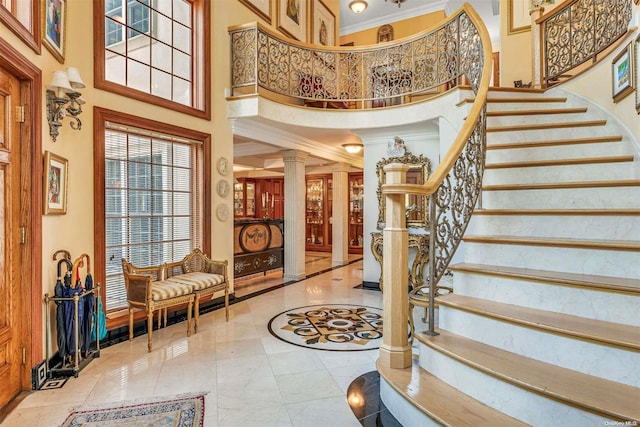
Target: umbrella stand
{"points": [[71, 318]]}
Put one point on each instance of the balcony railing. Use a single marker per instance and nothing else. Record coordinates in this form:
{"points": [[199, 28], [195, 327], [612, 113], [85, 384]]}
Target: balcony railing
{"points": [[369, 76], [578, 31]]}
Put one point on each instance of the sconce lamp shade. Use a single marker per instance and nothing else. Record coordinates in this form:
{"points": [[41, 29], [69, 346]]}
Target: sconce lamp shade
{"points": [[353, 148], [73, 74], [60, 81], [358, 6]]}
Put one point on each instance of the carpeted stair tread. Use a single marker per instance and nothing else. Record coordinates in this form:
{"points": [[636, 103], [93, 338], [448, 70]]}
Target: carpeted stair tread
{"points": [[535, 112], [559, 212], [546, 126], [451, 407], [614, 334], [557, 185], [555, 142], [607, 398], [560, 162], [590, 281], [619, 245]]}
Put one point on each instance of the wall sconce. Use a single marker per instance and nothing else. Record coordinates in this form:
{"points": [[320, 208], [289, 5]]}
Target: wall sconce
{"points": [[61, 92], [353, 148]]}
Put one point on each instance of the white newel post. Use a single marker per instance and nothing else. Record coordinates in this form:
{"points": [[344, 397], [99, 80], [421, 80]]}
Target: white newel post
{"points": [[536, 46], [395, 351]]}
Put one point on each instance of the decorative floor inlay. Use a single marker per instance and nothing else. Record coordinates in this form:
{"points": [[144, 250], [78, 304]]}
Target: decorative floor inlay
{"points": [[184, 411], [334, 327], [53, 383]]}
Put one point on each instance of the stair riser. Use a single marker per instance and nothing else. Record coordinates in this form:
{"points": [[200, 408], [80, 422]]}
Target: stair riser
{"points": [[403, 410], [525, 106], [580, 261], [547, 134], [589, 303], [560, 173], [597, 149], [598, 360], [533, 119], [563, 198], [564, 226], [514, 401]]}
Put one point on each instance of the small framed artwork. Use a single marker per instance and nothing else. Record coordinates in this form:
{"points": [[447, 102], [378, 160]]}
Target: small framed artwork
{"points": [[636, 61], [56, 172], [385, 33], [292, 18], [518, 19], [54, 27], [622, 74], [262, 8], [324, 24]]}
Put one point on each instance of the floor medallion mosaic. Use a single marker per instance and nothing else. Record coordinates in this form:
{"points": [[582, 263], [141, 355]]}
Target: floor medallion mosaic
{"points": [[333, 327]]}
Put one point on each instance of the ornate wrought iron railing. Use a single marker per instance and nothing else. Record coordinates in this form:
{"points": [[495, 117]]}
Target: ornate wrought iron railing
{"points": [[578, 31], [455, 185], [366, 76]]}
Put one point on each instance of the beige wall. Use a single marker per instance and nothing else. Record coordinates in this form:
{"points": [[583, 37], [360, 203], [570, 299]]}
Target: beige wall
{"points": [[401, 29]]}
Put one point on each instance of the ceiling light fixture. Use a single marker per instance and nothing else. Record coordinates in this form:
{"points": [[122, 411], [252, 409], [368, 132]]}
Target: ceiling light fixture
{"points": [[399, 2], [358, 6], [353, 147]]}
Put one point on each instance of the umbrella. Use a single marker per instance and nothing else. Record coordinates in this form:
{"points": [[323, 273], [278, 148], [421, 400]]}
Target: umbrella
{"points": [[89, 305], [70, 291], [58, 293]]}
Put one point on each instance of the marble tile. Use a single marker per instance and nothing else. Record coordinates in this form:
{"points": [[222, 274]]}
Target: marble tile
{"points": [[306, 386]]}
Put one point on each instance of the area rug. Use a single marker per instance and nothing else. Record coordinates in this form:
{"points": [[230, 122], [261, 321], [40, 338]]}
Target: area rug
{"points": [[333, 327], [182, 411]]}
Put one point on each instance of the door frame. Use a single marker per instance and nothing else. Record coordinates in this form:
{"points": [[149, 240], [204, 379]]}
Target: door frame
{"points": [[30, 78]]}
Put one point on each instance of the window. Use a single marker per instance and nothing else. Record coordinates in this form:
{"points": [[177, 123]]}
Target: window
{"points": [[153, 198], [23, 18], [156, 51]]}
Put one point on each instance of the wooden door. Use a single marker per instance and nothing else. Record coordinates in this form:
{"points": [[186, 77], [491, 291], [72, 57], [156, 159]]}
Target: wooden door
{"points": [[12, 301], [496, 69]]}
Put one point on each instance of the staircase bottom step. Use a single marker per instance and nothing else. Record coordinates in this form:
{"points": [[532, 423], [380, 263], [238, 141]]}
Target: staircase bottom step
{"points": [[421, 394]]}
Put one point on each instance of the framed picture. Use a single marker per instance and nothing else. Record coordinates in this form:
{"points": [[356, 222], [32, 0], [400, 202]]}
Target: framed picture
{"points": [[636, 61], [385, 33], [324, 24], [261, 8], [518, 19], [622, 74], [292, 18], [54, 27], [56, 172]]}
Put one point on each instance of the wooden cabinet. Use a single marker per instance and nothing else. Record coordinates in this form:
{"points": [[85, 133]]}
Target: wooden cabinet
{"points": [[318, 214], [258, 198], [356, 213]]}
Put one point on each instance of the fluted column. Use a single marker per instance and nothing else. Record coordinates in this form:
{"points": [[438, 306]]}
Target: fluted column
{"points": [[294, 205], [340, 215], [395, 351]]}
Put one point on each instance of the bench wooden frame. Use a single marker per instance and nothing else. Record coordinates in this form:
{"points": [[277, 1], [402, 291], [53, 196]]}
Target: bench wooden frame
{"points": [[161, 286]]}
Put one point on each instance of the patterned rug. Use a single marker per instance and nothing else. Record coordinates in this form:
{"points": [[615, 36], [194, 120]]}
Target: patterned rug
{"points": [[183, 411], [333, 327]]}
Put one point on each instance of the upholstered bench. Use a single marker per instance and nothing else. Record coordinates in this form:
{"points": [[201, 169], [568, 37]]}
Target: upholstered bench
{"points": [[182, 282]]}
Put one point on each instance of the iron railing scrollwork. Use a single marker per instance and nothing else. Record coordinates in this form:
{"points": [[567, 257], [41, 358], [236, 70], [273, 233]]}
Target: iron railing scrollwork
{"points": [[579, 31]]}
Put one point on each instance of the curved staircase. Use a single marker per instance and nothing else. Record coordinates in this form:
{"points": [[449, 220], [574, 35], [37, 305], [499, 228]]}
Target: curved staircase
{"points": [[543, 327]]}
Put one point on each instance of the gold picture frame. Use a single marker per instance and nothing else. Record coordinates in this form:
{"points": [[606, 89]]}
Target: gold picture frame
{"points": [[54, 27], [292, 18], [56, 175], [622, 74], [323, 24], [518, 20], [262, 8], [385, 33]]}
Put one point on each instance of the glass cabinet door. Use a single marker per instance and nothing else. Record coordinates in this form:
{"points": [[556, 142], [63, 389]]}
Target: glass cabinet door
{"points": [[251, 199], [238, 199], [356, 211], [314, 212]]}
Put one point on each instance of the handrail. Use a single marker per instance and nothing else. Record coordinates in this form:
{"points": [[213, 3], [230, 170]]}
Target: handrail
{"points": [[578, 31], [424, 63], [455, 185]]}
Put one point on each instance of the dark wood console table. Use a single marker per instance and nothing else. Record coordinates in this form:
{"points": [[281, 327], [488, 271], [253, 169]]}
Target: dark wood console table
{"points": [[258, 245]]}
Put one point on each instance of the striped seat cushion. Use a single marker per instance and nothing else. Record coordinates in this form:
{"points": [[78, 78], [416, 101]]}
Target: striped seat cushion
{"points": [[166, 289], [198, 281]]}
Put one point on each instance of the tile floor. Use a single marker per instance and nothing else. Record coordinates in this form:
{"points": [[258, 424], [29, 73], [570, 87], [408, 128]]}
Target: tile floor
{"points": [[251, 378]]}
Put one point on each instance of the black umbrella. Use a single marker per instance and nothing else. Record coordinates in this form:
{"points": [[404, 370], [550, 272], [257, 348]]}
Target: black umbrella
{"points": [[71, 290], [89, 305], [60, 325]]}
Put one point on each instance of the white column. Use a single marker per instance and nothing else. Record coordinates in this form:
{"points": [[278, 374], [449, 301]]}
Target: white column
{"points": [[294, 205], [536, 47], [340, 215], [395, 351]]}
